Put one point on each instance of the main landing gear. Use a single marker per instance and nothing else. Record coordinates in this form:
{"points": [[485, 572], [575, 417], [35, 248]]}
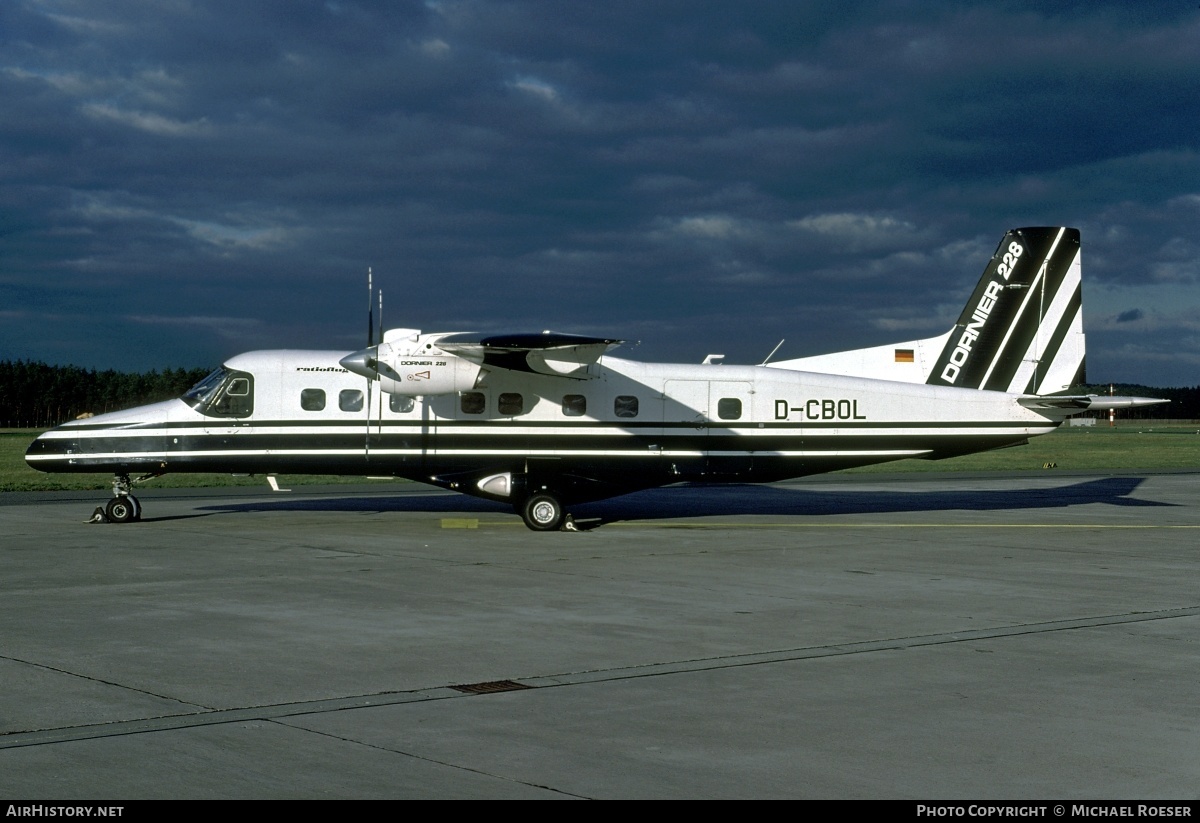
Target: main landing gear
{"points": [[123, 508], [542, 511]]}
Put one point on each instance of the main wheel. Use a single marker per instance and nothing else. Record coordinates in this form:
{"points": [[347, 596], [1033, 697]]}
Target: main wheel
{"points": [[122, 509], [542, 512]]}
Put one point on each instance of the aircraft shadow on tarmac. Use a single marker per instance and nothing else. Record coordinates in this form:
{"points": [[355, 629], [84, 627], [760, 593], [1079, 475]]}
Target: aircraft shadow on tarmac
{"points": [[736, 499]]}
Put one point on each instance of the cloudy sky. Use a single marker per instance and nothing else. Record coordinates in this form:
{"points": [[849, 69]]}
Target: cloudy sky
{"points": [[183, 180]]}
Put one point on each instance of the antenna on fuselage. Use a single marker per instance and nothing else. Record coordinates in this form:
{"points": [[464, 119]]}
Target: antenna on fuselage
{"points": [[772, 354]]}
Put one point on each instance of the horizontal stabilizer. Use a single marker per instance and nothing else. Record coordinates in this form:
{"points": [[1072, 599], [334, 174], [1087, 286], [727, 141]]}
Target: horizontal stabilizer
{"points": [[1087, 402]]}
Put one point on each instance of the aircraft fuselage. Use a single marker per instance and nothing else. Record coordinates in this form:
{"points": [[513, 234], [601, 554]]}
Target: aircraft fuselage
{"points": [[632, 425]]}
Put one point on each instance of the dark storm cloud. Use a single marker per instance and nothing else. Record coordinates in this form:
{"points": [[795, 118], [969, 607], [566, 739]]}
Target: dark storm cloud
{"points": [[182, 180]]}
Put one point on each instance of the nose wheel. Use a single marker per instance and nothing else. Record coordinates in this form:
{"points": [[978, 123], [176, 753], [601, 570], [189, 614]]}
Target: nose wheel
{"points": [[123, 509]]}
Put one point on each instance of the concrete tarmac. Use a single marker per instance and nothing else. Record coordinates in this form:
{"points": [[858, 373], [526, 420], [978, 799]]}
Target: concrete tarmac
{"points": [[912, 637]]}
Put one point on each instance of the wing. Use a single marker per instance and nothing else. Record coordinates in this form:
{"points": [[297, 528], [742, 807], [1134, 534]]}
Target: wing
{"points": [[552, 353]]}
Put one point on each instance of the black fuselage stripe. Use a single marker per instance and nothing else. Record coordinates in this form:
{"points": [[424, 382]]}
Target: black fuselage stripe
{"points": [[531, 443], [360, 427]]}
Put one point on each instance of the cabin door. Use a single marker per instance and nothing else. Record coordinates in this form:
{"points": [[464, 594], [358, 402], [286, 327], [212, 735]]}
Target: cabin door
{"points": [[701, 428], [730, 419]]}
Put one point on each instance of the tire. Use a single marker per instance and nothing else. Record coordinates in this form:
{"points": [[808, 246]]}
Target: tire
{"points": [[542, 512], [122, 509]]}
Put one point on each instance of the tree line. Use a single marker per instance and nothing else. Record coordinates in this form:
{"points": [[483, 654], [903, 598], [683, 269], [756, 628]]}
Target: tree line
{"points": [[35, 395]]}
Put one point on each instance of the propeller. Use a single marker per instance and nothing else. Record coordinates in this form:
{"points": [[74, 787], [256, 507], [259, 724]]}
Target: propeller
{"points": [[368, 358], [379, 427]]}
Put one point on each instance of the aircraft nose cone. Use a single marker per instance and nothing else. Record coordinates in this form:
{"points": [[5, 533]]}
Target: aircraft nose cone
{"points": [[363, 362], [36, 448]]}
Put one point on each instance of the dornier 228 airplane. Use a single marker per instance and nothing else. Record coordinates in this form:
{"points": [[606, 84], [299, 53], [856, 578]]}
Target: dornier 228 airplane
{"points": [[544, 421]]}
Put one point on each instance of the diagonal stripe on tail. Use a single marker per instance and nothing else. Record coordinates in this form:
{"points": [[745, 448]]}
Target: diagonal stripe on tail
{"points": [[1023, 325]]}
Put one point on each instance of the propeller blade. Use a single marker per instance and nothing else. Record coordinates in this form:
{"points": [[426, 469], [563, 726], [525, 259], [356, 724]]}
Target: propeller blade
{"points": [[365, 362], [379, 428], [367, 440]]}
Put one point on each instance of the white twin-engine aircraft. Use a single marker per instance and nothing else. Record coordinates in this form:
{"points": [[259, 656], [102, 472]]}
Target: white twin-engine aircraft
{"points": [[543, 421]]}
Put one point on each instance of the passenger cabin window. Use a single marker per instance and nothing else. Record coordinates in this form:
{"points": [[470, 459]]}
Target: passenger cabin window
{"points": [[510, 404], [224, 393], [473, 402], [574, 405], [312, 399], [350, 400], [401, 403], [625, 406], [729, 408]]}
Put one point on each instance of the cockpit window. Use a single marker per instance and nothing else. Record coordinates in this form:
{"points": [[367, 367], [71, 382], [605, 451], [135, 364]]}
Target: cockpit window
{"points": [[224, 393]]}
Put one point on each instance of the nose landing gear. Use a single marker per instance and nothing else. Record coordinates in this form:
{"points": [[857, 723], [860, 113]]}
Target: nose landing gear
{"points": [[124, 507]]}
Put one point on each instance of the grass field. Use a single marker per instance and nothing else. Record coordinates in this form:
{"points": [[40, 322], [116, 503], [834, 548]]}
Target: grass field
{"points": [[1131, 446], [1127, 446]]}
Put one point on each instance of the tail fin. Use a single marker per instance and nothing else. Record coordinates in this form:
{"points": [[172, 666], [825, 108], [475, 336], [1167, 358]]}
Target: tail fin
{"points": [[1022, 329]]}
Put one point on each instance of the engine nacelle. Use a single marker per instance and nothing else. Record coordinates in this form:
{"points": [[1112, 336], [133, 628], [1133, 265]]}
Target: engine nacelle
{"points": [[427, 374], [409, 363]]}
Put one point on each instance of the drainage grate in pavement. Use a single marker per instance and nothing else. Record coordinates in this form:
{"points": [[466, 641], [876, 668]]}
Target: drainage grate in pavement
{"points": [[491, 687]]}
